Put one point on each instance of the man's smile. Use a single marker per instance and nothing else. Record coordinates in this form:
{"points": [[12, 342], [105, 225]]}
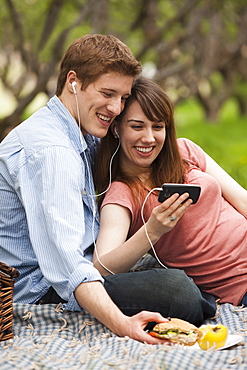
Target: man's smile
{"points": [[103, 118]]}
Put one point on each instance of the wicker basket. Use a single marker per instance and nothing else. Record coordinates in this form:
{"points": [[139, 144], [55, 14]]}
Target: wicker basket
{"points": [[7, 275]]}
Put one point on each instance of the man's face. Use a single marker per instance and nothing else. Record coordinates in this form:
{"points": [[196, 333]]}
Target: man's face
{"points": [[101, 102]]}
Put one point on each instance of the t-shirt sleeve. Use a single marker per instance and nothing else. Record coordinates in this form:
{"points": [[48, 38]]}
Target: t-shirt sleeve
{"points": [[119, 193], [192, 153]]}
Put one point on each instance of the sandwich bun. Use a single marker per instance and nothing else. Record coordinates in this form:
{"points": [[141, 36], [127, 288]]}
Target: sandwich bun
{"points": [[177, 331]]}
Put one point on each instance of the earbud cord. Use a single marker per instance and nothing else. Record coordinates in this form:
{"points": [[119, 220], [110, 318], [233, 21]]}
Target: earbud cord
{"points": [[145, 227], [92, 196], [112, 157], [93, 224]]}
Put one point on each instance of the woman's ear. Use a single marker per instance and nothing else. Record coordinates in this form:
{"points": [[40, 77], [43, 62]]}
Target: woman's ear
{"points": [[114, 130]]}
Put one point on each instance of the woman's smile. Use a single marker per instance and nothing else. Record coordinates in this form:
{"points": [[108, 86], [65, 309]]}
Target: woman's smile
{"points": [[144, 150]]}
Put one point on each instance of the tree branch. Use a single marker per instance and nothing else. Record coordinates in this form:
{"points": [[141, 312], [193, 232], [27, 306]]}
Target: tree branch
{"points": [[17, 23], [50, 23]]}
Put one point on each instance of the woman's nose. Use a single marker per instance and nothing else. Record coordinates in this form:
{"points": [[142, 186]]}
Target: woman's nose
{"points": [[148, 136]]}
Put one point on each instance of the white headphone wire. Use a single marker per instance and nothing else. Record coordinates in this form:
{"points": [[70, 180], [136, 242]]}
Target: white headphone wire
{"points": [[145, 226], [92, 196]]}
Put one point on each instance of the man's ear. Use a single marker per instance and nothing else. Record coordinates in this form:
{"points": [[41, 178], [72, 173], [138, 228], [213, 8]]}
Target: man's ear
{"points": [[71, 80]]}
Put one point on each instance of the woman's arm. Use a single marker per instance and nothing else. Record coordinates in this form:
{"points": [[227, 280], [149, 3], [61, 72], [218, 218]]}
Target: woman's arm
{"points": [[119, 255], [234, 193], [114, 253]]}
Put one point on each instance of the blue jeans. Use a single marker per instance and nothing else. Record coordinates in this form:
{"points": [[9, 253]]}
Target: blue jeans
{"points": [[167, 291], [244, 300]]}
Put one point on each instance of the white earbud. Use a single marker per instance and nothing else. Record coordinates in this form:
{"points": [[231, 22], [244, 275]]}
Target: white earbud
{"points": [[73, 85], [116, 133]]}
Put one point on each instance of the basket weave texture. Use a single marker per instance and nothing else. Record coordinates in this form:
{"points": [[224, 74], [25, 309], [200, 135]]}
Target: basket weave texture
{"points": [[7, 276]]}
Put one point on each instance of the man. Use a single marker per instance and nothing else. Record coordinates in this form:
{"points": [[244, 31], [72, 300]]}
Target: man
{"points": [[48, 217]]}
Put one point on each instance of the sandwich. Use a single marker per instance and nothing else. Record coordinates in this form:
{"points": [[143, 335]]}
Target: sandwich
{"points": [[177, 331]]}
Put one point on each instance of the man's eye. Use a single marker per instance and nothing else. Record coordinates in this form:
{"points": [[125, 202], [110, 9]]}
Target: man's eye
{"points": [[108, 95]]}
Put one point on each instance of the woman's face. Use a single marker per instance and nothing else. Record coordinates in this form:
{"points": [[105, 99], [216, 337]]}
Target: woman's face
{"points": [[141, 140]]}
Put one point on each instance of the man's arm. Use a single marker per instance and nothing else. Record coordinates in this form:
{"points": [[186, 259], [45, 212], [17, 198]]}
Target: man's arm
{"points": [[93, 297]]}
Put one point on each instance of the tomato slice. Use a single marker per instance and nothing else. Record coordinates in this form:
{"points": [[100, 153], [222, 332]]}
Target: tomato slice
{"points": [[156, 335]]}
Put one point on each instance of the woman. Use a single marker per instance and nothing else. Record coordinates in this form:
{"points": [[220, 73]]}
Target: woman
{"points": [[208, 240]]}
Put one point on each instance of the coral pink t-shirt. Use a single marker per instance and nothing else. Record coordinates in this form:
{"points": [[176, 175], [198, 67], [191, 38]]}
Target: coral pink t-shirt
{"points": [[209, 242]]}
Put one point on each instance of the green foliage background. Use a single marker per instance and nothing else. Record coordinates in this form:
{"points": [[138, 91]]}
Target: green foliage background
{"points": [[225, 142], [33, 30]]}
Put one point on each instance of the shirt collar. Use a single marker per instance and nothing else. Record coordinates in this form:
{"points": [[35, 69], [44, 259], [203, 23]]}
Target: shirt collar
{"points": [[68, 122]]}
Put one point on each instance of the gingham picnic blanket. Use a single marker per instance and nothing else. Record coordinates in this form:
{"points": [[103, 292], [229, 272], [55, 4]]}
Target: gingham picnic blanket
{"points": [[45, 338]]}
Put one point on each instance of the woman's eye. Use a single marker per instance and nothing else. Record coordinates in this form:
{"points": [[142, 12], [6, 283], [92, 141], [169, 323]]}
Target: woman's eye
{"points": [[137, 127], [159, 127]]}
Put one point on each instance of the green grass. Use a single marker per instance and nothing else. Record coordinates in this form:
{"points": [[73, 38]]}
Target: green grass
{"points": [[225, 142]]}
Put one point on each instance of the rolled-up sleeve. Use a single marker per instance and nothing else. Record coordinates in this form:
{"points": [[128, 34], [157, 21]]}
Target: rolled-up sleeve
{"points": [[90, 274]]}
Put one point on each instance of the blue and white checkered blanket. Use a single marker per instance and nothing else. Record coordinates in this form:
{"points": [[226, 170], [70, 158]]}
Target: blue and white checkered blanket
{"points": [[45, 338]]}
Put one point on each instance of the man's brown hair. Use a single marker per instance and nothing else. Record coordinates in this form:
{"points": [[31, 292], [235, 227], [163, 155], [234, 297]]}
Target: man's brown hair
{"points": [[93, 55]]}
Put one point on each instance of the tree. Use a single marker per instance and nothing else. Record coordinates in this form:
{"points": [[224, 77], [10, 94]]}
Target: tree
{"points": [[198, 47], [200, 50], [37, 63]]}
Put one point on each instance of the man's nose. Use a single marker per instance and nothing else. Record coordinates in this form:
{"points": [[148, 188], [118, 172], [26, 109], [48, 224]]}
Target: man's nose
{"points": [[115, 106]]}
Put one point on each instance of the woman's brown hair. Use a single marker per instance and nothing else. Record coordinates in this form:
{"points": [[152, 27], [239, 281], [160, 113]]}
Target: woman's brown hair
{"points": [[167, 167]]}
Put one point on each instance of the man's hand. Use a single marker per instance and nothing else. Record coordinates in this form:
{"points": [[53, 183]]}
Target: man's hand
{"points": [[134, 327]]}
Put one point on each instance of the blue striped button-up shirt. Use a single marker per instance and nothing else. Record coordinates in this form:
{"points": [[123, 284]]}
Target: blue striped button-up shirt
{"points": [[48, 216]]}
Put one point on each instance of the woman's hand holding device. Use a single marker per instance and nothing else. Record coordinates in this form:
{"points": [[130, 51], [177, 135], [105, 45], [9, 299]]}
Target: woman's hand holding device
{"points": [[166, 215]]}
